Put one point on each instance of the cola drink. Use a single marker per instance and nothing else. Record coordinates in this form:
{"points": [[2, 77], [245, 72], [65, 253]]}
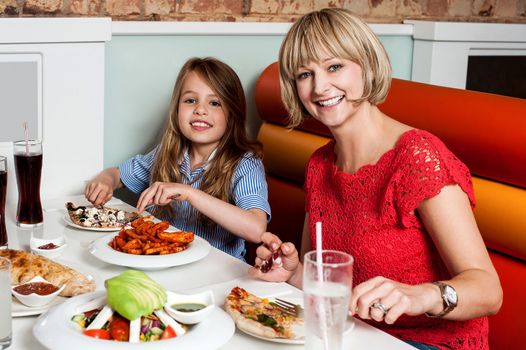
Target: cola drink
{"points": [[28, 168], [3, 193]]}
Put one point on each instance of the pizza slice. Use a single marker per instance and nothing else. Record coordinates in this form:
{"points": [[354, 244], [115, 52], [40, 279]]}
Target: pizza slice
{"points": [[259, 316], [104, 217]]}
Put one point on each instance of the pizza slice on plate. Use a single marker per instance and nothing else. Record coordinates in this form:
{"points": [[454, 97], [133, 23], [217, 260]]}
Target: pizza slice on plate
{"points": [[89, 216], [259, 316]]}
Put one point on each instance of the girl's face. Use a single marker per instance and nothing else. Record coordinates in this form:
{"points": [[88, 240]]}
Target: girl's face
{"points": [[202, 119], [326, 89]]}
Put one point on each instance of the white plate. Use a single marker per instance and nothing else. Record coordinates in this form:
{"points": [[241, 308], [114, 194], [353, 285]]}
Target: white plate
{"points": [[68, 221], [19, 310], [197, 250], [298, 329], [56, 324]]}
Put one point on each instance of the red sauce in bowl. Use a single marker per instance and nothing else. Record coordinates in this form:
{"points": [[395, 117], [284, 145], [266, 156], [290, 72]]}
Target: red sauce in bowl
{"points": [[48, 246], [40, 288]]}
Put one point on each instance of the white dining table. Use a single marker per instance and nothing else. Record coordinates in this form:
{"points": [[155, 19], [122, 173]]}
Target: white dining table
{"points": [[218, 272]]}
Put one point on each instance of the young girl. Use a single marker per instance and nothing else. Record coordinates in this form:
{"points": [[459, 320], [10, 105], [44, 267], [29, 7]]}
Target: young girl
{"points": [[205, 176], [392, 196]]}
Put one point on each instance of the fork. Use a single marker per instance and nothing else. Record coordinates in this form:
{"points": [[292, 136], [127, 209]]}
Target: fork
{"points": [[289, 308]]}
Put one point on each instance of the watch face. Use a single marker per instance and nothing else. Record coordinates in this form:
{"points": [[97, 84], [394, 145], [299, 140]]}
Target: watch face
{"points": [[450, 295]]}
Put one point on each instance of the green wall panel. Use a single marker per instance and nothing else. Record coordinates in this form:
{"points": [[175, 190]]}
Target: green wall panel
{"points": [[141, 71]]}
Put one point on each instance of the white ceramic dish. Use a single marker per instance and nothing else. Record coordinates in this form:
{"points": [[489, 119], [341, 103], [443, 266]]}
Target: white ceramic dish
{"points": [[68, 221], [298, 330], [35, 243], [20, 310], [33, 299], [55, 324], [206, 298], [197, 250]]}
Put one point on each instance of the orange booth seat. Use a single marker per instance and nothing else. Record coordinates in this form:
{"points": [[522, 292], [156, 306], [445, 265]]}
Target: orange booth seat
{"points": [[487, 132]]}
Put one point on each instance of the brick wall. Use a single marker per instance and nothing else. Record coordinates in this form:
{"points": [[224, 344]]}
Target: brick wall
{"points": [[374, 11]]}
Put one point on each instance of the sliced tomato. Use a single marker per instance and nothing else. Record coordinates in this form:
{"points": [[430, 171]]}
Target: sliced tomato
{"points": [[97, 333], [168, 333], [119, 328]]}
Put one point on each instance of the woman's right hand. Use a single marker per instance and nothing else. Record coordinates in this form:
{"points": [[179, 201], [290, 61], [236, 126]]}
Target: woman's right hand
{"points": [[290, 265], [99, 190]]}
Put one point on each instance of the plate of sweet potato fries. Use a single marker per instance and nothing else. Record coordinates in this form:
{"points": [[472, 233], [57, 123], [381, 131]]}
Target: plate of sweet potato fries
{"points": [[149, 245]]}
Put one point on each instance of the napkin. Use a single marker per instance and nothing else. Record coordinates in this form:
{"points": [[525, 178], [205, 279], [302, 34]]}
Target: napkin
{"points": [[259, 288]]}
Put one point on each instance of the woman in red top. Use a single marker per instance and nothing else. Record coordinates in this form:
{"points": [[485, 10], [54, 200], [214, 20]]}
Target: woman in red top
{"points": [[393, 197]]}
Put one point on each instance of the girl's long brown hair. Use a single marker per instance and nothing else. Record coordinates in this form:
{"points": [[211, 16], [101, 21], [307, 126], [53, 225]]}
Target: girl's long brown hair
{"points": [[217, 178]]}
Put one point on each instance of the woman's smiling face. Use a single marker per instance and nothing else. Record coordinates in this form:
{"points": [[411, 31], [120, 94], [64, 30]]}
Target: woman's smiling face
{"points": [[201, 116], [326, 89]]}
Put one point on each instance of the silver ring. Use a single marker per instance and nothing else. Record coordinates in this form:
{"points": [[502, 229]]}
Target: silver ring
{"points": [[381, 307]]}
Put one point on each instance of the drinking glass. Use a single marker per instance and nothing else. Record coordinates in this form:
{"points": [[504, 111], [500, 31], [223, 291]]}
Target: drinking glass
{"points": [[327, 291], [3, 193], [5, 304], [28, 168]]}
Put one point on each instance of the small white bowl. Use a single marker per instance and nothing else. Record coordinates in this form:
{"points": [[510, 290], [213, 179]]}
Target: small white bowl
{"points": [[33, 299], [206, 298], [35, 243]]}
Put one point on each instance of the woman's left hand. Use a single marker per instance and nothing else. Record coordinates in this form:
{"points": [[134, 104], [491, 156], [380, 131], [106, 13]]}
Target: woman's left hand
{"points": [[382, 299], [162, 193]]}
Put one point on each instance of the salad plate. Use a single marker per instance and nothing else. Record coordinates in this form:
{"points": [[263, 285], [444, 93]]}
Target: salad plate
{"points": [[211, 333], [197, 250]]}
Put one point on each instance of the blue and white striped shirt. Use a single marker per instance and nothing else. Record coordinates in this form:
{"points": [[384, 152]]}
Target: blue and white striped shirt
{"points": [[249, 189]]}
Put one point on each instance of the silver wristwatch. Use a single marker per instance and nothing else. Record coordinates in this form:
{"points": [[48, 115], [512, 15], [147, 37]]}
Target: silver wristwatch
{"points": [[449, 298]]}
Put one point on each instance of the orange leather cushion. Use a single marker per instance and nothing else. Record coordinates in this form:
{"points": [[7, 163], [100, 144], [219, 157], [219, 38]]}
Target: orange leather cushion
{"points": [[287, 151], [501, 216], [487, 132]]}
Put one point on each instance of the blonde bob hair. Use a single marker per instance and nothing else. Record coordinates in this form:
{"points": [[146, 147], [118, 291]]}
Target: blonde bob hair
{"points": [[337, 33]]}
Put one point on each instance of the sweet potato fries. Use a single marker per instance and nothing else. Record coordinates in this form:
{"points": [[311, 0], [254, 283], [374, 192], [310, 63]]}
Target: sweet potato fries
{"points": [[146, 237]]}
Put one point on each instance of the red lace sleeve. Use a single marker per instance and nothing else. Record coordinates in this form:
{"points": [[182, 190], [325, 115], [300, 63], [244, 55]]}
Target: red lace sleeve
{"points": [[426, 166]]}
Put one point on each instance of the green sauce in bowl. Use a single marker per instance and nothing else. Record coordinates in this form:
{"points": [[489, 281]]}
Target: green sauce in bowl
{"points": [[188, 307]]}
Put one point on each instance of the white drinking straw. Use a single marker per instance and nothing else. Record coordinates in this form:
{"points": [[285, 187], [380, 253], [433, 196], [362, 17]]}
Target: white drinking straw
{"points": [[319, 266], [319, 258], [26, 136]]}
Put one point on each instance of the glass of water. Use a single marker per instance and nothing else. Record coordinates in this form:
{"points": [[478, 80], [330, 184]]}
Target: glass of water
{"points": [[5, 304], [327, 291]]}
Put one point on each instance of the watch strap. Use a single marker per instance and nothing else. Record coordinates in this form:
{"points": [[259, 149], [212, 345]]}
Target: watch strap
{"points": [[448, 307]]}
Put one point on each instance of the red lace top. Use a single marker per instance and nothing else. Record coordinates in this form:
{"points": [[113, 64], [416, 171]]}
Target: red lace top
{"points": [[371, 215]]}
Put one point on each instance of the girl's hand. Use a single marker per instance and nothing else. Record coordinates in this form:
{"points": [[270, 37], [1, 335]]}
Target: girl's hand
{"points": [[290, 264], [99, 190], [162, 193], [395, 298]]}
